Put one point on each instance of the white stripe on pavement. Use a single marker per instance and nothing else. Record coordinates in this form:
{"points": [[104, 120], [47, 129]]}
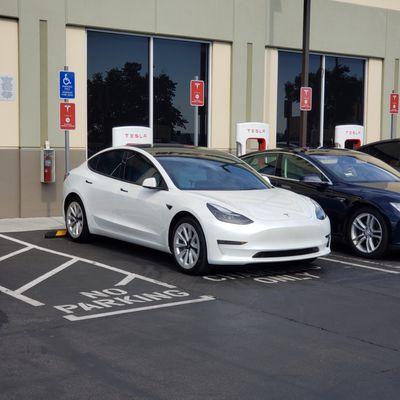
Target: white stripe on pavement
{"points": [[106, 314], [388, 271], [21, 297], [45, 276], [15, 253]]}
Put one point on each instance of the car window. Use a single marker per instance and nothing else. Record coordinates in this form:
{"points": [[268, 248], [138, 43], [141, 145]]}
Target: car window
{"points": [[358, 168], [263, 163], [297, 168], [137, 169], [109, 163], [388, 152]]}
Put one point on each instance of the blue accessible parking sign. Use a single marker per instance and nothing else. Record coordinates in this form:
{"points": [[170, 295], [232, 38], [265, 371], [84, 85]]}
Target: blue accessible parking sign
{"points": [[67, 85]]}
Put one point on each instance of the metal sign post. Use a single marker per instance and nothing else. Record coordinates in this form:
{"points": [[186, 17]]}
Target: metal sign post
{"points": [[196, 101], [305, 68], [67, 148]]}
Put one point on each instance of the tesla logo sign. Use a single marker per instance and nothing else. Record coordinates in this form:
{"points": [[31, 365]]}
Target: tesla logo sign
{"points": [[67, 116], [305, 98], [197, 93], [394, 103]]}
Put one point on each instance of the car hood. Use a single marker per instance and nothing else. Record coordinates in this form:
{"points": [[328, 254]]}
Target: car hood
{"points": [[270, 204]]}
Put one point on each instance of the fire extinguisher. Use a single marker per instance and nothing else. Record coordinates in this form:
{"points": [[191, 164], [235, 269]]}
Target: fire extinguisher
{"points": [[47, 170]]}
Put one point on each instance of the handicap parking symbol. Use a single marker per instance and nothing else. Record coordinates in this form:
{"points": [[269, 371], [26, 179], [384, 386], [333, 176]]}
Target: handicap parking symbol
{"points": [[67, 85]]}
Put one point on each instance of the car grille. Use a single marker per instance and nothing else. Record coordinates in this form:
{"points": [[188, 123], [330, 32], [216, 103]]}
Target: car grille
{"points": [[286, 253]]}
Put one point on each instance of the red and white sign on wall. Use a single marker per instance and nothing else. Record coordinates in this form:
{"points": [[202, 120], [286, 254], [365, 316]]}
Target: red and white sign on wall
{"points": [[305, 99], [67, 116], [197, 93], [394, 103]]}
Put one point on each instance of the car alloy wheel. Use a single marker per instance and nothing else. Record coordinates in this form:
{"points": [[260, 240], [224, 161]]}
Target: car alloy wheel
{"points": [[186, 245], [75, 219], [366, 233]]}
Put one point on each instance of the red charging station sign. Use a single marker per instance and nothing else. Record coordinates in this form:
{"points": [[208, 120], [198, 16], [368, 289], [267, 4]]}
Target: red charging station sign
{"points": [[394, 103], [305, 99], [197, 93], [67, 116]]}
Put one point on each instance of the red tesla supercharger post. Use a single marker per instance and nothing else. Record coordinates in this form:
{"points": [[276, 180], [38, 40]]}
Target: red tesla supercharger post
{"points": [[349, 136], [249, 132]]}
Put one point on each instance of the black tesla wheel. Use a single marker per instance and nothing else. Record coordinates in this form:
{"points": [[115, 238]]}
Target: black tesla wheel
{"points": [[368, 233], [189, 247]]}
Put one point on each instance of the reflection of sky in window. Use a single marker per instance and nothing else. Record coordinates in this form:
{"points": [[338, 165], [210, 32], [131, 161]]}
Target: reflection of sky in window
{"points": [[180, 61], [109, 50]]}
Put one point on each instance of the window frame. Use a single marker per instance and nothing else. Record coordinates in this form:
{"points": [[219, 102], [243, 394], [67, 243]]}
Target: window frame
{"points": [[98, 155], [151, 73], [163, 185], [279, 165]]}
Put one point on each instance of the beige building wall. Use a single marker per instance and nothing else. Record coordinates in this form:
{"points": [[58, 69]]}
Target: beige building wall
{"points": [[389, 4], [373, 100], [9, 110], [271, 93], [220, 95], [77, 62]]}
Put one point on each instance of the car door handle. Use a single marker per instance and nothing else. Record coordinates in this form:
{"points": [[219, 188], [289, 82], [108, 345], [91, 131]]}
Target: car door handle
{"points": [[89, 182], [285, 187], [124, 190]]}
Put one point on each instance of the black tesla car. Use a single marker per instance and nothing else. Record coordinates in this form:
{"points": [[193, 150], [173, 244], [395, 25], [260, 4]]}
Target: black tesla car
{"points": [[386, 150], [360, 193]]}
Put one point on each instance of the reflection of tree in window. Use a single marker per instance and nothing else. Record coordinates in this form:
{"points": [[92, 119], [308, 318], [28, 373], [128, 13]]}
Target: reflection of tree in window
{"points": [[343, 95]]}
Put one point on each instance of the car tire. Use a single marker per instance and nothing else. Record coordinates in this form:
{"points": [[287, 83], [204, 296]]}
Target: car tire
{"points": [[368, 233], [76, 221], [188, 246]]}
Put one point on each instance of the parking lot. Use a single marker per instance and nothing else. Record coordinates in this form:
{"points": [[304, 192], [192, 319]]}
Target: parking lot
{"points": [[111, 320]]}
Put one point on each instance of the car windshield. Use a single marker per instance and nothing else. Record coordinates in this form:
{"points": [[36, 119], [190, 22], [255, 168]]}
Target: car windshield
{"points": [[192, 173], [360, 168]]}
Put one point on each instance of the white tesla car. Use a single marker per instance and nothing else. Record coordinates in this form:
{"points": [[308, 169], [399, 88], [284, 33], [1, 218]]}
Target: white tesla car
{"points": [[203, 206]]}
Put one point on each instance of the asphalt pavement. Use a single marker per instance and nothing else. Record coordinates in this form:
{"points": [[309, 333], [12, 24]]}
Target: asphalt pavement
{"points": [[111, 320]]}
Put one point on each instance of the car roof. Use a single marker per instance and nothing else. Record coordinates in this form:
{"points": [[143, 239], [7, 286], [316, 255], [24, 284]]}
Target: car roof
{"points": [[187, 151], [306, 151], [396, 140]]}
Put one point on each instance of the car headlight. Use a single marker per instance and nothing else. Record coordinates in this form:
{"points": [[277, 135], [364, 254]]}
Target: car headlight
{"points": [[319, 211], [396, 206], [225, 215]]}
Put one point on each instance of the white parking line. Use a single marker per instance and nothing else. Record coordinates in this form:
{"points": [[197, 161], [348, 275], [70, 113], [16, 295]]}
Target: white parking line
{"points": [[15, 253], [21, 297], [131, 310], [45, 276], [388, 271], [128, 274]]}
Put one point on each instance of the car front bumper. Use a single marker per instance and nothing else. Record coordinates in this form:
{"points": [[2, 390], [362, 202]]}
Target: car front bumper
{"points": [[279, 241]]}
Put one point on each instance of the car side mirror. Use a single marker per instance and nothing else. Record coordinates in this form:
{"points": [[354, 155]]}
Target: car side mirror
{"points": [[266, 179], [312, 178], [150, 183]]}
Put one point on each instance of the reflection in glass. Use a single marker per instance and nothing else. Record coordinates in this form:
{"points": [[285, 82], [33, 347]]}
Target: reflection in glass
{"points": [[176, 63], [117, 86], [344, 94], [289, 83]]}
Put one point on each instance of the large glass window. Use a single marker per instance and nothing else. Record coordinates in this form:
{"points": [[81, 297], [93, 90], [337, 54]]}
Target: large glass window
{"points": [[344, 94], [289, 83], [117, 86], [343, 100], [176, 63], [119, 91]]}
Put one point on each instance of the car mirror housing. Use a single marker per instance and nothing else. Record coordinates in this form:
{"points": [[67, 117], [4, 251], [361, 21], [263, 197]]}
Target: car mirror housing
{"points": [[150, 183]]}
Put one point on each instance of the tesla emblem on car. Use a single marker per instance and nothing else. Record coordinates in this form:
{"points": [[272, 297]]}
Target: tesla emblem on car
{"points": [[287, 214]]}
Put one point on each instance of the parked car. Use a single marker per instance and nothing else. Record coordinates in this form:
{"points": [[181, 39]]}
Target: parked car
{"points": [[203, 206], [360, 193], [386, 150]]}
